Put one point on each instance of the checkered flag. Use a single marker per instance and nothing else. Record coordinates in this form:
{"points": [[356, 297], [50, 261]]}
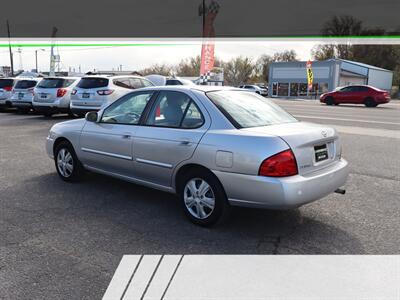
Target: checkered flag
{"points": [[212, 8], [204, 78]]}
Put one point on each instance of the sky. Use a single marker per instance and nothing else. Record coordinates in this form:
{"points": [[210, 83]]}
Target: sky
{"points": [[139, 57]]}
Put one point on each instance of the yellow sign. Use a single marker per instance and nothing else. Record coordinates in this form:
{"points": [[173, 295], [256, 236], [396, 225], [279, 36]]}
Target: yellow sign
{"points": [[310, 75]]}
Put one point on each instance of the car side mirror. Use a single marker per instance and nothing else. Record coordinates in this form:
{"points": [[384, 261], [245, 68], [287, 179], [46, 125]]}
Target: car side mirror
{"points": [[91, 116]]}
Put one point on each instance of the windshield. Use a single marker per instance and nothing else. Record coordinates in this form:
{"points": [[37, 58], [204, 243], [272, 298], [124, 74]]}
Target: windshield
{"points": [[49, 83], [25, 84], [92, 82], [6, 83], [245, 109]]}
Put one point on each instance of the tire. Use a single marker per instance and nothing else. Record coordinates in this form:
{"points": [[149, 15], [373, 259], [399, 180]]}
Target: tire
{"points": [[47, 114], [23, 110], [369, 102], [64, 156], [198, 210], [330, 101]]}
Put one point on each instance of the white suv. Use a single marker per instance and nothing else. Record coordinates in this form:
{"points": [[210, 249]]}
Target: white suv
{"points": [[6, 85], [53, 95], [22, 93], [93, 92]]}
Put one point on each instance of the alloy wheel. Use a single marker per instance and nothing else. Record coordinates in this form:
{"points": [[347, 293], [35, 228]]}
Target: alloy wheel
{"points": [[199, 198], [65, 162]]}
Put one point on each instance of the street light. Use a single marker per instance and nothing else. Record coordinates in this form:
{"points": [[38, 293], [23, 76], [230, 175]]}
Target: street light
{"points": [[36, 51]]}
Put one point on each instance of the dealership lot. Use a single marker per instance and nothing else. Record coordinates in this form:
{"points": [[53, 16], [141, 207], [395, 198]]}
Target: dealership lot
{"points": [[59, 239]]}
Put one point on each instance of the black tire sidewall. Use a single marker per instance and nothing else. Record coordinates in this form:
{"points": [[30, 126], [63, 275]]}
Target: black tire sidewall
{"points": [[221, 209], [330, 101], [77, 169]]}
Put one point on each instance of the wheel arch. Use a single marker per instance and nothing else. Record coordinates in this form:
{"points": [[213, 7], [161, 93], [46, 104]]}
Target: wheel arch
{"points": [[60, 140], [188, 167]]}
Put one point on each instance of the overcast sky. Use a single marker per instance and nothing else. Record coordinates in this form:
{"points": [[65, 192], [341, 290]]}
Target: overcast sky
{"points": [[139, 57]]}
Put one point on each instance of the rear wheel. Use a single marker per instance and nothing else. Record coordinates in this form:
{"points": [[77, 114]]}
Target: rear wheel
{"points": [[369, 102], [47, 114], [22, 110], [330, 101], [203, 198], [67, 164]]}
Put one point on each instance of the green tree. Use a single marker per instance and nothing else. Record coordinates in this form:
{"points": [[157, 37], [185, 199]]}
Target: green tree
{"points": [[238, 70], [161, 69], [265, 60]]}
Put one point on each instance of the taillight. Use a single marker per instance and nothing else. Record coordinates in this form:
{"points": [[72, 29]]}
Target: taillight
{"points": [[61, 92], [7, 88], [279, 165], [105, 92], [73, 92]]}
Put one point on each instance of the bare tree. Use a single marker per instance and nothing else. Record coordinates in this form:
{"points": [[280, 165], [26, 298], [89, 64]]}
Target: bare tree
{"points": [[238, 70], [161, 69]]}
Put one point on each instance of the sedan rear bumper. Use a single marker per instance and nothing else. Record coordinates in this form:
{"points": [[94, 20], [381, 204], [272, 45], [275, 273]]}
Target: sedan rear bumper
{"points": [[286, 192]]}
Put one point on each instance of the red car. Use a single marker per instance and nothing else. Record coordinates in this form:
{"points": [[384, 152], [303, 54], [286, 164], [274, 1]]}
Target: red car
{"points": [[356, 94]]}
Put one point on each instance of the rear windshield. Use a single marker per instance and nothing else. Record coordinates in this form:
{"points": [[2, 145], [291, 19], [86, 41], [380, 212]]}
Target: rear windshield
{"points": [[6, 83], [245, 109], [92, 82], [25, 84], [51, 83]]}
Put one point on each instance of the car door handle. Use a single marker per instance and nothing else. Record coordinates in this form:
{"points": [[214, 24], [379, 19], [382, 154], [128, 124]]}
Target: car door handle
{"points": [[185, 142], [126, 136]]}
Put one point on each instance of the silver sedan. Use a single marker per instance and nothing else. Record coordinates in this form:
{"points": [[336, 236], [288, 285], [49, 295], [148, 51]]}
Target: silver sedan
{"points": [[214, 147]]}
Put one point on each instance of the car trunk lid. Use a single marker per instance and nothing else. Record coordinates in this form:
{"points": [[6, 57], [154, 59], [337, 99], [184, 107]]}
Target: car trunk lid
{"points": [[314, 146]]}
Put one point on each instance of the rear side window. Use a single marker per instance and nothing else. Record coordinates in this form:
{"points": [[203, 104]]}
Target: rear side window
{"points": [[51, 83], [25, 84], [136, 83], [6, 83], [173, 82], [92, 83], [122, 82], [146, 82]]}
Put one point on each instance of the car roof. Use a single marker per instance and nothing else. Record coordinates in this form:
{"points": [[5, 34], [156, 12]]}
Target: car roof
{"points": [[201, 88], [61, 77], [110, 76]]}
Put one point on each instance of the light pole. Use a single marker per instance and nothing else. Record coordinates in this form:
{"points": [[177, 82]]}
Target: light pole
{"points": [[36, 51]]}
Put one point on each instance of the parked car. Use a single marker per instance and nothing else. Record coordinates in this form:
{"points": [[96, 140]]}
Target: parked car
{"points": [[23, 92], [356, 94], [178, 81], [97, 91], [256, 89], [213, 146], [53, 95], [6, 85]]}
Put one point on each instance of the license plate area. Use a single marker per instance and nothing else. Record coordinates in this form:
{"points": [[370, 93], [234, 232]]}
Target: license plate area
{"points": [[85, 95], [43, 96], [20, 95], [321, 153]]}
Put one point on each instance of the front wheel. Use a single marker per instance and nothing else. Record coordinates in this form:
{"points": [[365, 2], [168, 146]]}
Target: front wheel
{"points": [[203, 198], [330, 101], [67, 164], [369, 102]]}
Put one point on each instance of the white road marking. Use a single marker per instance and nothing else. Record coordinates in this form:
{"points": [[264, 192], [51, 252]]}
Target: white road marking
{"points": [[342, 119], [142, 277], [121, 277], [394, 134]]}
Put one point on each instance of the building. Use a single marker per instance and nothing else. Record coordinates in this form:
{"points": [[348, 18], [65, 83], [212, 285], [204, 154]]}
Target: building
{"points": [[289, 79]]}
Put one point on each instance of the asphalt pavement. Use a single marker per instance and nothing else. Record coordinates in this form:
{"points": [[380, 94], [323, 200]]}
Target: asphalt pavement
{"points": [[64, 241]]}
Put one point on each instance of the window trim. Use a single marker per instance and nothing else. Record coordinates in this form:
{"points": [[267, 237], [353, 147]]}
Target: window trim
{"points": [[183, 116], [154, 93]]}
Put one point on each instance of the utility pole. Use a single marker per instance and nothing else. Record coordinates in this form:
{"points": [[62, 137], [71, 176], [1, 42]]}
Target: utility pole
{"points": [[204, 17], [36, 51], [9, 47], [52, 58]]}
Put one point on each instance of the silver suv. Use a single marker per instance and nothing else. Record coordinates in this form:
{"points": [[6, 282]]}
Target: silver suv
{"points": [[97, 91], [53, 95], [256, 89], [6, 85], [22, 94]]}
